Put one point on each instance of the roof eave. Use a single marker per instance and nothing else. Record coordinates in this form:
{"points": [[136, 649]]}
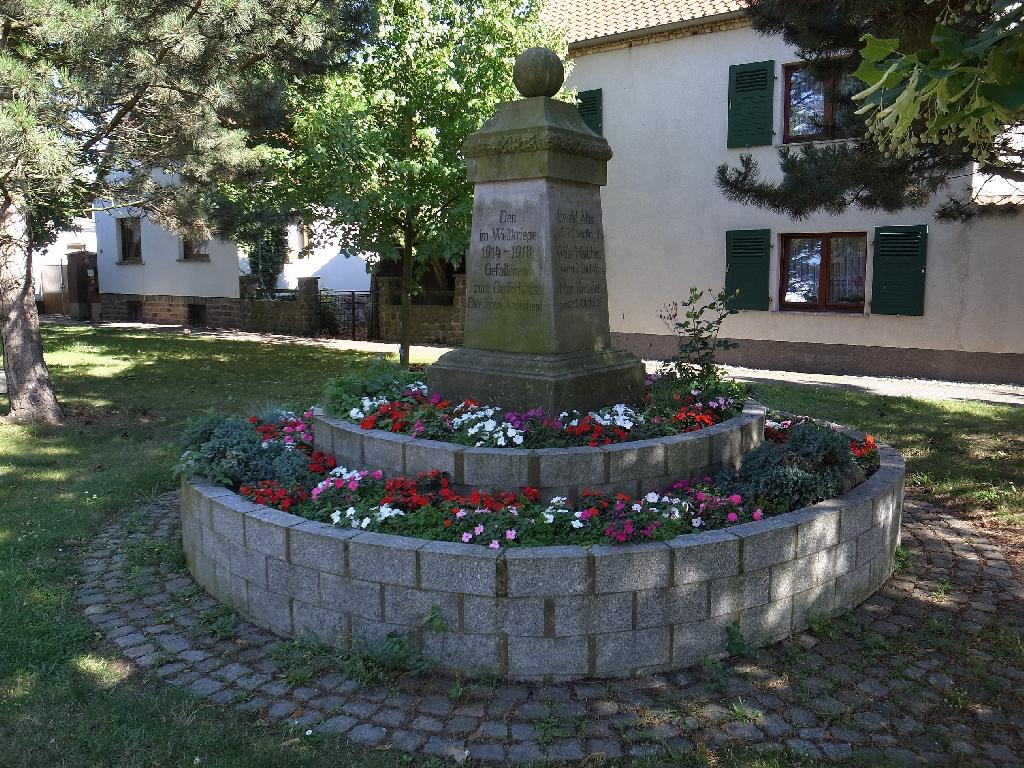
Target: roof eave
{"points": [[661, 29]]}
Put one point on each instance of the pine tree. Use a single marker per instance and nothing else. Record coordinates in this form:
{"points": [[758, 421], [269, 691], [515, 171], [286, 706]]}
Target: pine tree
{"points": [[137, 102], [881, 168]]}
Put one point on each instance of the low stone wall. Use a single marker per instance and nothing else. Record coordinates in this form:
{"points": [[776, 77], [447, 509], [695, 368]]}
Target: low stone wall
{"points": [[221, 312], [442, 324], [634, 467], [547, 613]]}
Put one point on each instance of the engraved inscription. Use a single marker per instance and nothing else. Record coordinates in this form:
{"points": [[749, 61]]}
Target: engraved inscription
{"points": [[505, 278], [579, 259]]}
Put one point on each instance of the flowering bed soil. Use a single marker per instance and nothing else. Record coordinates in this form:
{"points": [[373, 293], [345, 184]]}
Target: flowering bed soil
{"points": [[426, 506], [421, 413]]}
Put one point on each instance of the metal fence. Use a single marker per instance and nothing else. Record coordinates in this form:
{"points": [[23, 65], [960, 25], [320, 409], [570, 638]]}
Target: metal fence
{"points": [[349, 315]]}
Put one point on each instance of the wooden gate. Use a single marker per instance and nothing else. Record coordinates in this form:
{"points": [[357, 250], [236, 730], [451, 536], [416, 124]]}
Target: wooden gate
{"points": [[53, 280]]}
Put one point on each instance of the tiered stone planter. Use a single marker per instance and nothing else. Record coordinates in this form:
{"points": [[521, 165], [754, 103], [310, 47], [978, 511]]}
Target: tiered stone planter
{"points": [[546, 613], [634, 467]]}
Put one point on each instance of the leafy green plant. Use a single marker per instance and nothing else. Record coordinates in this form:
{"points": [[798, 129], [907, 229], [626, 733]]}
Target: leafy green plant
{"points": [[715, 674], [234, 454], [380, 378], [219, 621], [746, 714], [736, 644], [902, 559], [697, 322]]}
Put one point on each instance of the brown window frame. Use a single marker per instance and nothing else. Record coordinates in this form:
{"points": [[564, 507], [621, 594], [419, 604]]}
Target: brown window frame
{"points": [[831, 88], [121, 249], [195, 250], [823, 273]]}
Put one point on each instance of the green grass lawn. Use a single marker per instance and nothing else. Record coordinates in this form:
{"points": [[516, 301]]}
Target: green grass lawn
{"points": [[66, 699]]}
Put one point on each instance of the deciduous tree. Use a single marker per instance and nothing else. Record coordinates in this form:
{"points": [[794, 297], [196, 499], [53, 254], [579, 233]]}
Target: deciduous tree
{"points": [[379, 147]]}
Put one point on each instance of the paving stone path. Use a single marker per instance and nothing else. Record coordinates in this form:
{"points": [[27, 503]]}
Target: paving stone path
{"points": [[929, 670]]}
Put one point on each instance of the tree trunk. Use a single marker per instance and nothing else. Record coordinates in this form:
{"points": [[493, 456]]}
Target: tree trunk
{"points": [[404, 316], [28, 382]]}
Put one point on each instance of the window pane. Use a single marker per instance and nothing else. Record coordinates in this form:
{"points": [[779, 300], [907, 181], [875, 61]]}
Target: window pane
{"points": [[806, 104], [803, 262], [847, 258], [131, 239], [843, 117]]}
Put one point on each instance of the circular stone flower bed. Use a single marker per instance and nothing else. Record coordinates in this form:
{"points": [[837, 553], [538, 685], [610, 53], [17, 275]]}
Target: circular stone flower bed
{"points": [[634, 468], [559, 612]]}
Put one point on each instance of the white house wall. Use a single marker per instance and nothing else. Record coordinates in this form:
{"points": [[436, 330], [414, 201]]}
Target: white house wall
{"points": [[337, 272], [163, 272], [665, 116]]}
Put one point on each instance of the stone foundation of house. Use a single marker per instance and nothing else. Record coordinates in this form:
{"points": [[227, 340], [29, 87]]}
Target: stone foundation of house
{"points": [[844, 359]]}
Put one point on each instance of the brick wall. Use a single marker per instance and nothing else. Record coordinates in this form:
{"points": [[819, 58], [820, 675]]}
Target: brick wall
{"points": [[169, 310], [300, 316], [431, 324]]}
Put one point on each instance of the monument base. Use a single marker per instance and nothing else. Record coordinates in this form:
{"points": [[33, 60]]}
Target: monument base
{"points": [[585, 380]]}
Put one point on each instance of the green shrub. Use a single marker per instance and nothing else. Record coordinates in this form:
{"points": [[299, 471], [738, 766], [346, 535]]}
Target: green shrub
{"points": [[381, 378], [197, 431], [819, 444], [233, 454], [814, 464]]}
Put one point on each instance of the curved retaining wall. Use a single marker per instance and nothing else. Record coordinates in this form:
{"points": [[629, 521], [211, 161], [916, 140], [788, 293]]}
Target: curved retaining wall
{"points": [[547, 613], [635, 467]]}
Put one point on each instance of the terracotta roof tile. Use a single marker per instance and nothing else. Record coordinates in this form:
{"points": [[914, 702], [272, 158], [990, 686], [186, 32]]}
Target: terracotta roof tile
{"points": [[589, 19]]}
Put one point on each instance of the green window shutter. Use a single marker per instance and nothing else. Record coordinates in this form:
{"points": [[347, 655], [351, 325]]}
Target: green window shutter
{"points": [[897, 287], [747, 260], [751, 102], [590, 110]]}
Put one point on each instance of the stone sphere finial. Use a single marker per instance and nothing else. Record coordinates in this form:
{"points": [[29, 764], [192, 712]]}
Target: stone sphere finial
{"points": [[538, 72]]}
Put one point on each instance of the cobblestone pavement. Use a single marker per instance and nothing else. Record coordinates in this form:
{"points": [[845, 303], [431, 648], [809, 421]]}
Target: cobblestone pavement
{"points": [[929, 670]]}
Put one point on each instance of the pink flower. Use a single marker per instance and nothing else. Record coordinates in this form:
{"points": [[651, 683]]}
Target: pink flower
{"points": [[510, 534], [377, 475], [467, 537], [699, 496], [478, 530], [353, 485], [338, 482], [461, 513], [736, 499], [494, 544], [758, 514], [732, 517]]}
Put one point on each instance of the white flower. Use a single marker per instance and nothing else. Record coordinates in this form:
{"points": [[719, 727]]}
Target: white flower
{"points": [[652, 497], [637, 507], [336, 516], [577, 523], [548, 517], [366, 522], [559, 501], [697, 522]]}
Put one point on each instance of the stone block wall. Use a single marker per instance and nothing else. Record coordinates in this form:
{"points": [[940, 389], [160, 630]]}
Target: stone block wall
{"points": [[547, 613], [634, 467], [221, 312], [431, 324], [300, 317]]}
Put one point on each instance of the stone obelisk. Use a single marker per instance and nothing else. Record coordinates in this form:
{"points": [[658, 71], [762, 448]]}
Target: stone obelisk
{"points": [[536, 331]]}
